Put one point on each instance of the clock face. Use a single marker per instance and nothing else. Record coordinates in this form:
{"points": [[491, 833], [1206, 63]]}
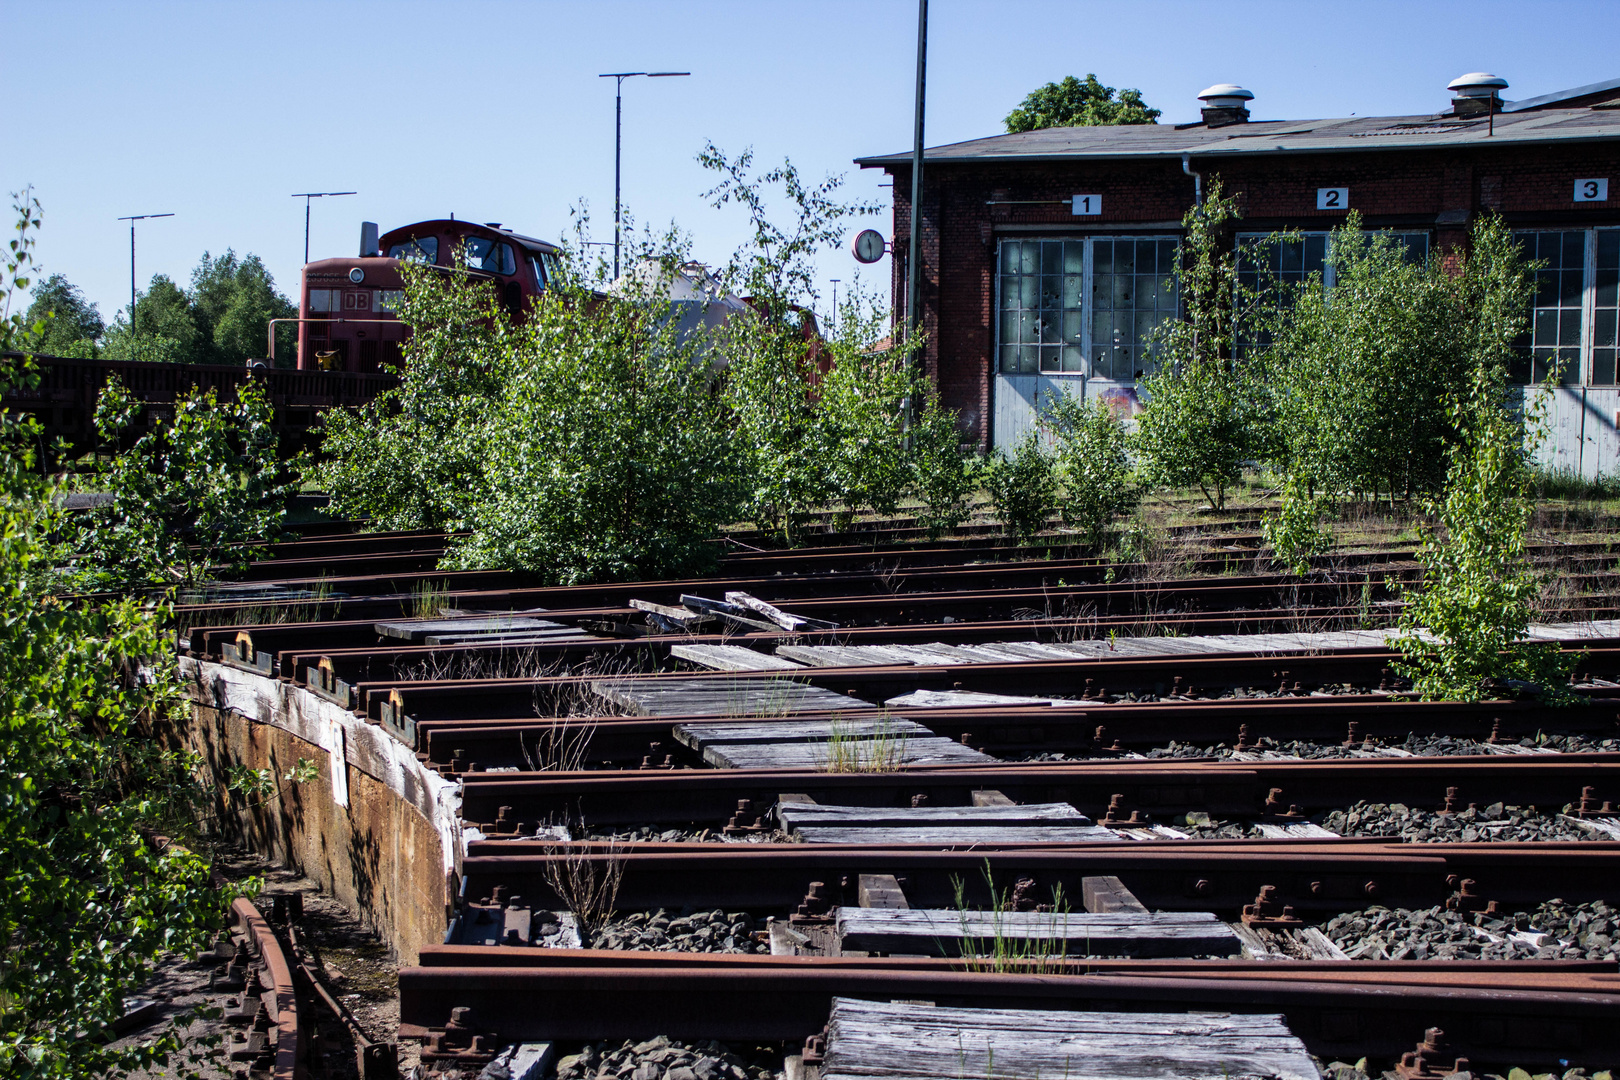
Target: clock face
{"points": [[868, 246]]}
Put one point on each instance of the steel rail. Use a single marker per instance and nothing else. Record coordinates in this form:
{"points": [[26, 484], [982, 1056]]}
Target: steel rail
{"points": [[740, 998], [291, 1052]]}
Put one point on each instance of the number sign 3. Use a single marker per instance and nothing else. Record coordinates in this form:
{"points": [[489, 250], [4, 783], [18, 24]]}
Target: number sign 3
{"points": [[1593, 190], [1085, 205], [1333, 198]]}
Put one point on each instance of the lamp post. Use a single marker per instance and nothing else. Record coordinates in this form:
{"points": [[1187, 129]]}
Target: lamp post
{"points": [[914, 248], [618, 116], [835, 282], [307, 196], [132, 219]]}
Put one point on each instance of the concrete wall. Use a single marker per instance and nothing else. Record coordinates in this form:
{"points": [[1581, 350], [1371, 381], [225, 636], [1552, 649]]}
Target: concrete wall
{"points": [[374, 828]]}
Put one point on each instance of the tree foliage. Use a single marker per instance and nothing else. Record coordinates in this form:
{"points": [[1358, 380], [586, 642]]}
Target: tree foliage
{"points": [[223, 318], [1072, 103], [1464, 628], [1093, 463], [608, 454], [195, 497], [88, 903], [1359, 376], [412, 457], [1023, 486], [72, 325], [1203, 406]]}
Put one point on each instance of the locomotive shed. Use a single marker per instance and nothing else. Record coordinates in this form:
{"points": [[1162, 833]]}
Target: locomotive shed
{"points": [[1263, 847]]}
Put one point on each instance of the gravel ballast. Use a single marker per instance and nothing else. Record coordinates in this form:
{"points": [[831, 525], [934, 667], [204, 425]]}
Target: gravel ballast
{"points": [[1554, 931], [663, 1058], [700, 931]]}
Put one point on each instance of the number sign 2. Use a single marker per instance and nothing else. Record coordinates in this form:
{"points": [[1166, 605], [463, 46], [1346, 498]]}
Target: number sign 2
{"points": [[1086, 205], [1593, 190], [1333, 198]]}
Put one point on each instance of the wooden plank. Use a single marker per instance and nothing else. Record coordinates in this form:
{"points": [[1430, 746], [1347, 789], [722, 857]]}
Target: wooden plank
{"points": [[732, 613], [682, 617], [537, 637], [966, 816], [710, 697], [416, 629], [951, 933], [870, 755], [991, 798], [738, 732], [1107, 895], [776, 615], [880, 891], [733, 658], [966, 699], [831, 655], [1304, 830], [921, 1042], [959, 835]]}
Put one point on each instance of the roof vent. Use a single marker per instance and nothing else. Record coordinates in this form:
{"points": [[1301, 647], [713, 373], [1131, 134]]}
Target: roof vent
{"points": [[1224, 104], [1476, 94]]}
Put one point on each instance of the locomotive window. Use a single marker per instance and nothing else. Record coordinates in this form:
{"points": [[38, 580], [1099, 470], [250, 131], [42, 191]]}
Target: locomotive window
{"points": [[390, 299], [422, 249], [489, 256], [325, 300]]}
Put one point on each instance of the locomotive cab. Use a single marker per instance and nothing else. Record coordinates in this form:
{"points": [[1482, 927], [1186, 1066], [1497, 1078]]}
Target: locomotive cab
{"points": [[347, 317]]}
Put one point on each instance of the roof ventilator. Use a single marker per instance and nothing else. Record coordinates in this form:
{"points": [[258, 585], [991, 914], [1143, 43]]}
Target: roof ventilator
{"points": [[1479, 93], [1224, 103]]}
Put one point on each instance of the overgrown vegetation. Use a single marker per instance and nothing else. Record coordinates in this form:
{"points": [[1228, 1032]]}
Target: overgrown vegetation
{"points": [[1200, 425], [1093, 463], [90, 900]]}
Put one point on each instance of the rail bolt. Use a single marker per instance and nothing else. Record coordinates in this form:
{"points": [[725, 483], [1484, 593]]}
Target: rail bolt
{"points": [[1203, 887], [1451, 803], [1371, 888], [1429, 1060]]}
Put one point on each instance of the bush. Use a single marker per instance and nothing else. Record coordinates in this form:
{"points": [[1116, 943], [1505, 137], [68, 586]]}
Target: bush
{"points": [[1360, 377], [1093, 463], [608, 456], [1464, 628], [1295, 532], [941, 477], [195, 497], [1024, 487], [1201, 423], [413, 457]]}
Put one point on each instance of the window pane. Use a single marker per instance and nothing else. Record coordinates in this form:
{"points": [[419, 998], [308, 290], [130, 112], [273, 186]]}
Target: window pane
{"points": [[1074, 257], [1009, 359], [1029, 258], [1124, 257], [1052, 257], [1603, 367], [1603, 328], [1071, 325], [1073, 290], [1073, 359], [423, 249], [1102, 257]]}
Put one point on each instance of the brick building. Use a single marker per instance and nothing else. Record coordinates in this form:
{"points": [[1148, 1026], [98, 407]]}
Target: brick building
{"points": [[1047, 254]]}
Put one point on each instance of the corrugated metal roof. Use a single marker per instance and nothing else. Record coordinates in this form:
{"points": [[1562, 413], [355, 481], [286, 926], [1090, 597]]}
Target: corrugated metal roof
{"points": [[1348, 134], [1562, 95]]}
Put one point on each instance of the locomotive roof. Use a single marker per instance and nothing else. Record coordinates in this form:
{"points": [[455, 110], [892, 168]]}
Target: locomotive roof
{"points": [[456, 225]]}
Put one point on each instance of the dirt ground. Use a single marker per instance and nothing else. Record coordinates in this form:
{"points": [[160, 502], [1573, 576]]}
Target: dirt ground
{"points": [[353, 962]]}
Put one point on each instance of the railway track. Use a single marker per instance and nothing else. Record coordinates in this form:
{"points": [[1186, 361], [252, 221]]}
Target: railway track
{"points": [[600, 747]]}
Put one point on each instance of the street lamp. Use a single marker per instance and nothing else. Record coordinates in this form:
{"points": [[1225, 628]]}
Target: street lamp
{"points": [[132, 219], [835, 282], [306, 196], [618, 115]]}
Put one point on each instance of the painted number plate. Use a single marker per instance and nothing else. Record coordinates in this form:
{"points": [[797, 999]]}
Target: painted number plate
{"points": [[1592, 190], [1087, 204], [1333, 198]]}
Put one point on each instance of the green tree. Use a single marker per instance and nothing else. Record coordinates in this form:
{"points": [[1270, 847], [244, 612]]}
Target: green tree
{"points": [[1023, 486], [89, 903], [1202, 420], [194, 498], [1072, 103], [608, 456], [233, 301], [1463, 629], [1359, 377], [164, 328], [412, 458], [1093, 462], [73, 325]]}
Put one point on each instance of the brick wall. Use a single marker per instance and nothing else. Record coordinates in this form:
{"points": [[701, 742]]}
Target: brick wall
{"points": [[968, 206]]}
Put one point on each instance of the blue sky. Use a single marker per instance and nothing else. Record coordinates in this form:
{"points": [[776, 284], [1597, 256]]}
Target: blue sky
{"points": [[493, 110]]}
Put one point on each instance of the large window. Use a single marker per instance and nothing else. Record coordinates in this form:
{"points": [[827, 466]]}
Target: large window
{"points": [[1085, 306], [489, 256], [1606, 307], [422, 249], [1558, 316]]}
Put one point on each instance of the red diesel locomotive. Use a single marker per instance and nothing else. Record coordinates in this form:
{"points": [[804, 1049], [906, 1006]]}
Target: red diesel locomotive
{"points": [[346, 319]]}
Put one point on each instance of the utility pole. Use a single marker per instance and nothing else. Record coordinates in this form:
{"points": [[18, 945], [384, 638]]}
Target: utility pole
{"points": [[618, 119], [132, 219], [307, 196], [913, 255], [835, 282]]}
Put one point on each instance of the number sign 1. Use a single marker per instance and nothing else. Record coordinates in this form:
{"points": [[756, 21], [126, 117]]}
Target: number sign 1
{"points": [[1594, 190], [1333, 198], [1087, 205]]}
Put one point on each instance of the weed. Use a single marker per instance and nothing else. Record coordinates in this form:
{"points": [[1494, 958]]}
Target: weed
{"points": [[850, 751], [586, 880], [1037, 950]]}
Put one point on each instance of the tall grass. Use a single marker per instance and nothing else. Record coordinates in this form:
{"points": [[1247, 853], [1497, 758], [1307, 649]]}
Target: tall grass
{"points": [[1005, 953], [848, 750]]}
